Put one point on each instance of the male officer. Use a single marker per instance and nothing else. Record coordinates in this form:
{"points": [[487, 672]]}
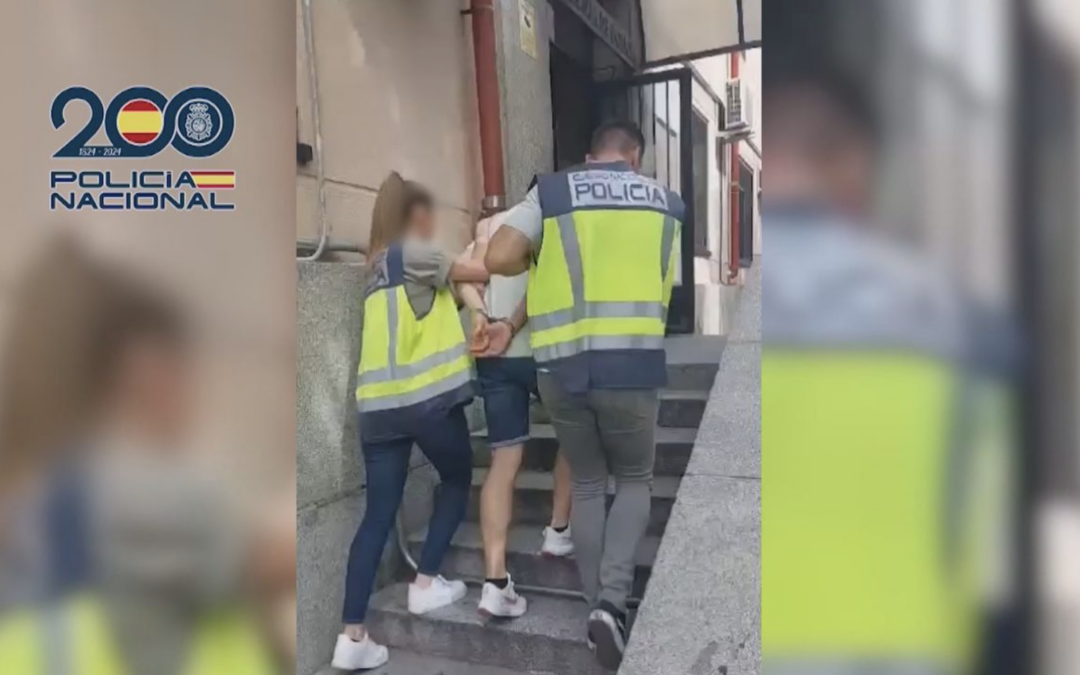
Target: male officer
{"points": [[877, 393], [599, 244]]}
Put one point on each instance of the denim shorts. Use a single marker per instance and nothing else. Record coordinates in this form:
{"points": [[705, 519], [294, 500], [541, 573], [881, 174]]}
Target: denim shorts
{"points": [[506, 385]]}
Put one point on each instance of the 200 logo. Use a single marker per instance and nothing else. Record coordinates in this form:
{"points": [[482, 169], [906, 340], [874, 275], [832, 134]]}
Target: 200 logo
{"points": [[141, 122]]}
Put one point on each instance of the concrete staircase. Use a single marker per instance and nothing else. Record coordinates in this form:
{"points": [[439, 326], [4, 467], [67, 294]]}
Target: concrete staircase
{"points": [[550, 638]]}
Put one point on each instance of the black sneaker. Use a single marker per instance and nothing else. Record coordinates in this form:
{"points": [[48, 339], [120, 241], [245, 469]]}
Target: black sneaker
{"points": [[607, 631]]}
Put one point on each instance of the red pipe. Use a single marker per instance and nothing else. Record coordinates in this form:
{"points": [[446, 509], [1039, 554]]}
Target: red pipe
{"points": [[487, 96], [733, 258]]}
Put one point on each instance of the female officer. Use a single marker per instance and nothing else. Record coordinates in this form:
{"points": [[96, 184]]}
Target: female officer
{"points": [[415, 377]]}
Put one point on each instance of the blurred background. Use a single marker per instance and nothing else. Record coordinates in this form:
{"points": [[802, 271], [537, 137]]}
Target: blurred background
{"points": [[928, 150], [147, 363]]}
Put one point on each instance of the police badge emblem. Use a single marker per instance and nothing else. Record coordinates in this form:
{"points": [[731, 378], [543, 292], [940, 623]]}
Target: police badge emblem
{"points": [[199, 126]]}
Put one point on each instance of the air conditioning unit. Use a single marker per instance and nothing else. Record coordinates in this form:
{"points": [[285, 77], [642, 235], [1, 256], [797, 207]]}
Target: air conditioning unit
{"points": [[739, 105]]}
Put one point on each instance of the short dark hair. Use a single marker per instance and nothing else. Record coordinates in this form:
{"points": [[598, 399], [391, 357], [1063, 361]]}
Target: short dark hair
{"points": [[132, 312], [839, 86], [619, 135]]}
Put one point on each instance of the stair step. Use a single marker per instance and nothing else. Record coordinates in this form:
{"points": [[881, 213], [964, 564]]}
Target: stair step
{"points": [[550, 638], [692, 376], [678, 408], [532, 499], [410, 663], [465, 560], [682, 407], [673, 449]]}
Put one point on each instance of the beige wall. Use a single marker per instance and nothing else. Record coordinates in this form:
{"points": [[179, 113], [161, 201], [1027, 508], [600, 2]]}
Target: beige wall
{"points": [[232, 271], [396, 92], [751, 74], [715, 71]]}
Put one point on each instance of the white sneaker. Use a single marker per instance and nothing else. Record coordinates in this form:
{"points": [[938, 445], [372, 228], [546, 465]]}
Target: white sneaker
{"points": [[439, 594], [364, 655], [557, 544], [502, 603]]}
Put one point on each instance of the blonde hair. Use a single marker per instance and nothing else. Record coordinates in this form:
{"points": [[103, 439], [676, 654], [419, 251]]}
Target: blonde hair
{"points": [[396, 199]]}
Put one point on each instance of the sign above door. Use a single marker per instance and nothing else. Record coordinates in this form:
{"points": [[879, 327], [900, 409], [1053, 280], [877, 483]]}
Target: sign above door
{"points": [[608, 29]]}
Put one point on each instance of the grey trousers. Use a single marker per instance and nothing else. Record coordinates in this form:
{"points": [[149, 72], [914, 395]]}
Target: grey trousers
{"points": [[606, 432]]}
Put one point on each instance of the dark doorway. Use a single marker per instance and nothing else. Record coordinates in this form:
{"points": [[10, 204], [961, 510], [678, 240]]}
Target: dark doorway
{"points": [[571, 108], [699, 137], [746, 214]]}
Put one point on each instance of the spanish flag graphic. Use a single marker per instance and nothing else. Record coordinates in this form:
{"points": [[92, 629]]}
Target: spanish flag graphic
{"points": [[140, 122], [214, 180]]}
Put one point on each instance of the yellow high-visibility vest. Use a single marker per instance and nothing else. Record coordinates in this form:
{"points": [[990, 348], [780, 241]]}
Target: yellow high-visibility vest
{"points": [[870, 501], [406, 361], [225, 644], [855, 518], [604, 275]]}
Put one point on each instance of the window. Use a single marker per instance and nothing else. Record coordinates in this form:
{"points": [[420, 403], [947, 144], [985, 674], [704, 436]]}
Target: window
{"points": [[699, 135]]}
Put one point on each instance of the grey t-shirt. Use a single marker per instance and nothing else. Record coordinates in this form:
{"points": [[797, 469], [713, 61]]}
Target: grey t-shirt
{"points": [[528, 219], [427, 269]]}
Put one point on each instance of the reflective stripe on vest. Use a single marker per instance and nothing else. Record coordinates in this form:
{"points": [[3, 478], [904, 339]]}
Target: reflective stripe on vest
{"points": [[603, 278], [226, 643], [405, 360]]}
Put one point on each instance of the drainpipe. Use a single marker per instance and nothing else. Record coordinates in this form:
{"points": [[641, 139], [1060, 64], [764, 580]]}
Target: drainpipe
{"points": [[487, 98], [733, 258], [320, 168]]}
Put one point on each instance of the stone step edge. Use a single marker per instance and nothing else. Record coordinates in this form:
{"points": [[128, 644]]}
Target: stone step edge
{"points": [[526, 540], [664, 487], [664, 435]]}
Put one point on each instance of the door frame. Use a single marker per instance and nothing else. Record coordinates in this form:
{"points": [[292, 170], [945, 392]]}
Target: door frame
{"points": [[747, 206], [681, 312]]}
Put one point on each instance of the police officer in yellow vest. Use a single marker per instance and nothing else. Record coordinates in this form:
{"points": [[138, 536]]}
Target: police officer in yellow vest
{"points": [[415, 377], [871, 486], [128, 557], [599, 242]]}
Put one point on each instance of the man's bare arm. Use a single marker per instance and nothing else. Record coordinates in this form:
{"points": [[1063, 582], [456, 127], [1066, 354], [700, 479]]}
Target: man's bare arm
{"points": [[508, 252], [468, 270], [470, 296], [520, 316], [478, 322]]}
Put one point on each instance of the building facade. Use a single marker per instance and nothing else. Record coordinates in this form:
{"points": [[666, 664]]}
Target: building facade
{"points": [[396, 90], [395, 87]]}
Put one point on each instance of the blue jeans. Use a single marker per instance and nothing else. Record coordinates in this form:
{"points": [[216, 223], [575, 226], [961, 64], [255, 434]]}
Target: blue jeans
{"points": [[445, 442]]}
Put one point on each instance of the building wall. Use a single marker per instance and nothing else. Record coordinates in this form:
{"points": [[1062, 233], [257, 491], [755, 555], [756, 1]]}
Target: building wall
{"points": [[715, 300], [226, 270], [528, 145], [716, 71], [396, 92], [713, 72]]}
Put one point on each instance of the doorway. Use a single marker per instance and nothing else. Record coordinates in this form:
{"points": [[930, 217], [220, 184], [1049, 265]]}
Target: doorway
{"points": [[572, 104], [699, 134], [747, 198]]}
